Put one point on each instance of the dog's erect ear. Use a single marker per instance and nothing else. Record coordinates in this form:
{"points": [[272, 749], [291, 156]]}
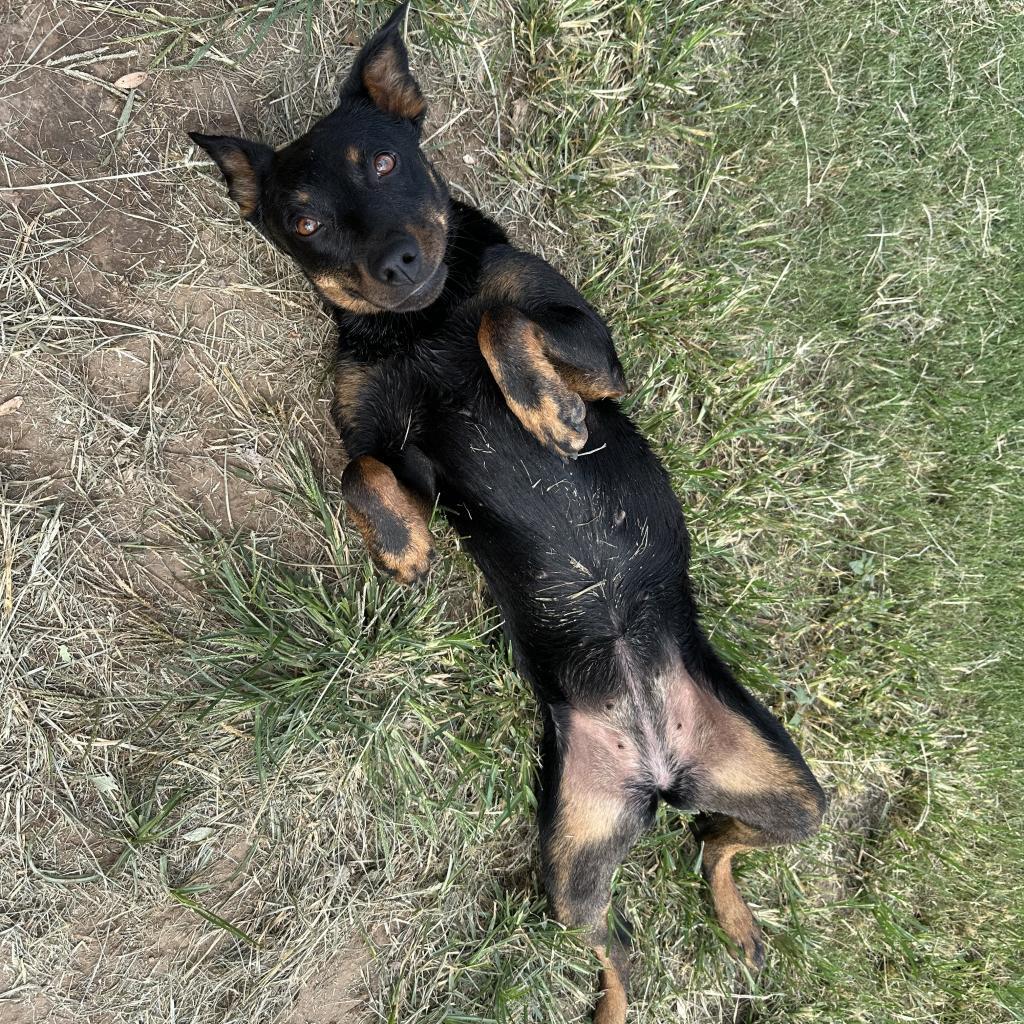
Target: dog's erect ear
{"points": [[381, 73], [244, 165]]}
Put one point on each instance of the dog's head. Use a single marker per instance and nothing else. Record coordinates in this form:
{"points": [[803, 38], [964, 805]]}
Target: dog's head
{"points": [[353, 201]]}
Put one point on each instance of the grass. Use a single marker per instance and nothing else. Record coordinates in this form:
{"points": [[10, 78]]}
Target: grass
{"points": [[248, 778]]}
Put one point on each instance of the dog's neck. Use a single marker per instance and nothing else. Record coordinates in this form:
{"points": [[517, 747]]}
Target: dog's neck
{"points": [[371, 337]]}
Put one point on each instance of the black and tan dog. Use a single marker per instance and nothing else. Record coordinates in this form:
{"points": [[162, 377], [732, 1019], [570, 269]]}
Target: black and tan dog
{"points": [[472, 375]]}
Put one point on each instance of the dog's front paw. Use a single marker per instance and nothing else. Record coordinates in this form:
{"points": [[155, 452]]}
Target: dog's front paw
{"points": [[394, 522], [558, 421], [409, 564], [553, 412]]}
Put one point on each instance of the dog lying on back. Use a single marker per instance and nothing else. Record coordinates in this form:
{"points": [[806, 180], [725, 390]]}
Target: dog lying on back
{"points": [[471, 374]]}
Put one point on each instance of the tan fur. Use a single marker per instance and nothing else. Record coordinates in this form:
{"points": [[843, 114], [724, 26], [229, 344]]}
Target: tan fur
{"points": [[352, 155], [413, 561], [583, 819], [349, 382], [543, 420], [431, 238], [354, 290], [390, 87], [611, 1007], [732, 754], [744, 762], [335, 289], [731, 909], [734, 759], [589, 386], [597, 763], [503, 284], [242, 184]]}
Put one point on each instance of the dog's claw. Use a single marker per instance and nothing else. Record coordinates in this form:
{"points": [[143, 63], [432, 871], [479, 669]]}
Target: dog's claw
{"points": [[749, 948], [569, 446]]}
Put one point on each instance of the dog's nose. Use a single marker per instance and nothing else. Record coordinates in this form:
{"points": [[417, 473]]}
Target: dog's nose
{"points": [[398, 263]]}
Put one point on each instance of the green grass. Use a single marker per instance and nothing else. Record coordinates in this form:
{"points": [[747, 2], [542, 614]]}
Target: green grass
{"points": [[804, 222], [804, 226]]}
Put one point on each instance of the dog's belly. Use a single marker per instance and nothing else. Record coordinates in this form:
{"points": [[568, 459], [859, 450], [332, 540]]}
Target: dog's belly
{"points": [[586, 559]]}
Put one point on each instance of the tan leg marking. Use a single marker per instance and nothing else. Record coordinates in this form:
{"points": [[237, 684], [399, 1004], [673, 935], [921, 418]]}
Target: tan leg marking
{"points": [[392, 520], [350, 382], [613, 1002], [514, 350], [731, 754], [734, 916], [735, 762], [592, 831]]}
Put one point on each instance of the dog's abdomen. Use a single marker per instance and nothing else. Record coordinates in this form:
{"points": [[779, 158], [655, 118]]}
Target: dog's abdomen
{"points": [[585, 558]]}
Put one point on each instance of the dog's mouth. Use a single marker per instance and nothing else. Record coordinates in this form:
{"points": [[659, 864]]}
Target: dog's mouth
{"points": [[343, 293], [423, 294]]}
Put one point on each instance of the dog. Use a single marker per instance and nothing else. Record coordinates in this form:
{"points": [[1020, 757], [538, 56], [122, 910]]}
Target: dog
{"points": [[472, 375]]}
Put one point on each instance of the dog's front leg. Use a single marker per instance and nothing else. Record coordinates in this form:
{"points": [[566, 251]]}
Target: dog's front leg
{"points": [[513, 347], [392, 519], [548, 351], [388, 485]]}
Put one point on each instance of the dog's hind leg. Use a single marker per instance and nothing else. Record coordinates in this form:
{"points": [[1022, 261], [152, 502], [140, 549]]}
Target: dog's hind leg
{"points": [[589, 818], [743, 772], [723, 837]]}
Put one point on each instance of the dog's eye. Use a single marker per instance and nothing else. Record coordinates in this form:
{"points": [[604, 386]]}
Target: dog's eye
{"points": [[306, 226], [384, 163]]}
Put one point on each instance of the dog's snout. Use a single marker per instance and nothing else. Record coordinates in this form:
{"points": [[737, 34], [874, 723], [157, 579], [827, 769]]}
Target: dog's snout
{"points": [[398, 263]]}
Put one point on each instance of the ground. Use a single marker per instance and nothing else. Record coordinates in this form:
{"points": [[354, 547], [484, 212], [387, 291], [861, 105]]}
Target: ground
{"points": [[243, 778]]}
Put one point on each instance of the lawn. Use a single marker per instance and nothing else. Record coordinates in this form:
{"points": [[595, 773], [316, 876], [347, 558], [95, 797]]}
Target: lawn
{"points": [[244, 778]]}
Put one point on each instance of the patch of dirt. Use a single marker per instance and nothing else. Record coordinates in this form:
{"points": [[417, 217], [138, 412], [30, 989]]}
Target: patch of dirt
{"points": [[335, 992], [120, 374], [20, 1001], [36, 440], [55, 107]]}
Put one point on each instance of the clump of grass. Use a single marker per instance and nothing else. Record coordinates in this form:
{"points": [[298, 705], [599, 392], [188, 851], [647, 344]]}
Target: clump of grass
{"points": [[416, 681]]}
